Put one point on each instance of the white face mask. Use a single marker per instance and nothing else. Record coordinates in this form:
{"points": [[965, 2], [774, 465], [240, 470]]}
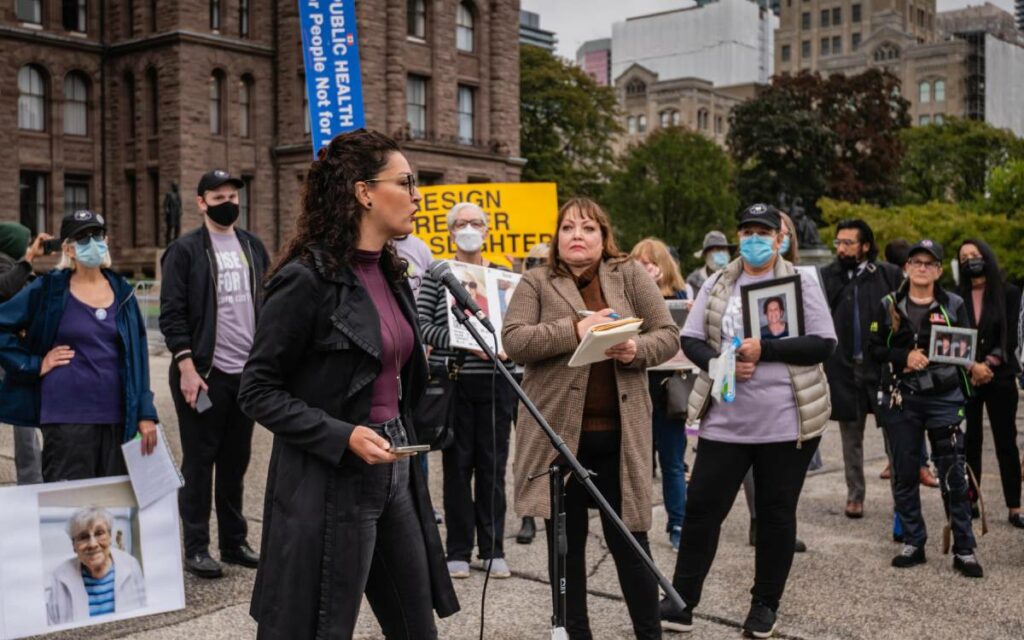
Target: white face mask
{"points": [[469, 240]]}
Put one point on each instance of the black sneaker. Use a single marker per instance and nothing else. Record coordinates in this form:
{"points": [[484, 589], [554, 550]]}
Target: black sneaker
{"points": [[760, 622], [241, 555], [202, 565], [1017, 520], [909, 556], [799, 546], [675, 619], [967, 564]]}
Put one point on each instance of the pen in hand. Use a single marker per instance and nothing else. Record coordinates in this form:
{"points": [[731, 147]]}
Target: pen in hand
{"points": [[583, 313]]}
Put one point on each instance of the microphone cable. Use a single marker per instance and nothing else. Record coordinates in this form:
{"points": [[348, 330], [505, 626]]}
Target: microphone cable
{"points": [[489, 563]]}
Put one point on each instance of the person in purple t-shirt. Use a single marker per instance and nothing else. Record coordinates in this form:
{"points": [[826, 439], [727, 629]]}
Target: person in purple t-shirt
{"points": [[773, 425], [209, 299]]}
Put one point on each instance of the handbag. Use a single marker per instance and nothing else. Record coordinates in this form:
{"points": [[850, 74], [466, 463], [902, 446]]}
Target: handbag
{"points": [[433, 415], [677, 395]]}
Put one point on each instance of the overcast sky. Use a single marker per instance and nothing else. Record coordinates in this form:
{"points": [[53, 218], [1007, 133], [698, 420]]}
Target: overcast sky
{"points": [[576, 21]]}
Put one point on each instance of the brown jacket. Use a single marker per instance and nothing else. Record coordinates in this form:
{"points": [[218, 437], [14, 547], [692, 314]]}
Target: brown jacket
{"points": [[539, 331]]}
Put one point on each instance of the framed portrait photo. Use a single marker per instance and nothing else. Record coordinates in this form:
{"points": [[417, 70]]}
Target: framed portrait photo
{"points": [[953, 345], [774, 309]]}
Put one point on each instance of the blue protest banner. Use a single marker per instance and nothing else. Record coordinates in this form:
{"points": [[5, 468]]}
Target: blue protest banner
{"points": [[334, 85]]}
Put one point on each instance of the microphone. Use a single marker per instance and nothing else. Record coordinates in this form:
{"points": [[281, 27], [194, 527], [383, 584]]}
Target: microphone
{"points": [[440, 271]]}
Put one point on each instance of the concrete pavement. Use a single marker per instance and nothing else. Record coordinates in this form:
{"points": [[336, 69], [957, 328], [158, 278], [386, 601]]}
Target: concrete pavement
{"points": [[842, 588]]}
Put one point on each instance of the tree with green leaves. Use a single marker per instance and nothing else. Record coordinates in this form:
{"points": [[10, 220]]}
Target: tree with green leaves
{"points": [[950, 162], [1005, 189], [567, 123], [676, 186]]}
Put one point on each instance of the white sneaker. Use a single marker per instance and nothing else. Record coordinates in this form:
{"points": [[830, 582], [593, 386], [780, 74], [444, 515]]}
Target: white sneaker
{"points": [[458, 569], [498, 566]]}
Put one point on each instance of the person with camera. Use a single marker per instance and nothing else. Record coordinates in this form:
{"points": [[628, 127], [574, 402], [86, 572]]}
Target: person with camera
{"points": [[921, 396], [17, 251], [81, 371], [210, 297]]}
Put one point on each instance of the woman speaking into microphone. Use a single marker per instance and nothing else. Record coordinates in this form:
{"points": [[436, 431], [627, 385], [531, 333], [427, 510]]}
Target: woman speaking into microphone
{"points": [[602, 411], [336, 364]]}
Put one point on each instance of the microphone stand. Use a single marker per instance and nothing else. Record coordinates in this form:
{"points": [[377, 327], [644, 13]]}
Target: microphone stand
{"points": [[556, 473]]}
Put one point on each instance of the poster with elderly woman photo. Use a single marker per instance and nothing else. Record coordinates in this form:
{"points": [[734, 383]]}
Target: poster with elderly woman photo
{"points": [[492, 290], [773, 310], [80, 553]]}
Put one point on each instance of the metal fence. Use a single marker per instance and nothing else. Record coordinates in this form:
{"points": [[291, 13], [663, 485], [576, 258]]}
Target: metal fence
{"points": [[147, 292]]}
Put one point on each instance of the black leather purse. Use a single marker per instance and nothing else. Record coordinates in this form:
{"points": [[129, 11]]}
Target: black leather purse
{"points": [[433, 415]]}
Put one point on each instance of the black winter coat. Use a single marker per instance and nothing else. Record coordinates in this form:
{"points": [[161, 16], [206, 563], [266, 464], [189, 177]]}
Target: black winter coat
{"points": [[991, 328], [309, 380], [873, 283]]}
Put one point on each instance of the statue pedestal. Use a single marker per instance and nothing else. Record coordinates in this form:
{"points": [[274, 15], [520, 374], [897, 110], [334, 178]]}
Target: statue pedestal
{"points": [[817, 256]]}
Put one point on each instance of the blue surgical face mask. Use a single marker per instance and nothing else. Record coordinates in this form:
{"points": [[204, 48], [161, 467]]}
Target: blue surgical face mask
{"points": [[784, 247], [91, 254], [718, 260], [757, 251]]}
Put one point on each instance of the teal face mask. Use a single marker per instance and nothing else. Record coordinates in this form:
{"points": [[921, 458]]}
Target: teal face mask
{"points": [[784, 247], [92, 253], [718, 260], [757, 250]]}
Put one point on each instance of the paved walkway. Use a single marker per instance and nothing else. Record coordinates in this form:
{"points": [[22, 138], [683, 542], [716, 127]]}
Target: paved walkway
{"points": [[842, 588]]}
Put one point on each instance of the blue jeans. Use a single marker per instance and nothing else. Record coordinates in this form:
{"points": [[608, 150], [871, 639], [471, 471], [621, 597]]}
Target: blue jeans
{"points": [[670, 441]]}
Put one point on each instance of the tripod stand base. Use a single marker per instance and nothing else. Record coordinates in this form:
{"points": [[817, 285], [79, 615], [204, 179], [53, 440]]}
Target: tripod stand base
{"points": [[559, 633]]}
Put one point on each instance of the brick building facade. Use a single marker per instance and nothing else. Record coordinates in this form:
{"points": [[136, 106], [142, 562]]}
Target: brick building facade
{"points": [[112, 101]]}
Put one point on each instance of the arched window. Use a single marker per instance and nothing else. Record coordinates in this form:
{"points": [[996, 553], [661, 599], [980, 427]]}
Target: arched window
{"points": [[416, 19], [676, 118], [702, 119], [886, 52], [31, 98], [636, 87], [76, 104], [129, 102], [665, 118], [641, 124], [464, 27], [153, 87], [245, 95], [939, 91], [243, 18], [631, 125], [924, 92], [216, 102]]}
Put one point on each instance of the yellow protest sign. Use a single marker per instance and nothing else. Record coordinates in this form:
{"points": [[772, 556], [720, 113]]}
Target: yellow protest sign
{"points": [[522, 214]]}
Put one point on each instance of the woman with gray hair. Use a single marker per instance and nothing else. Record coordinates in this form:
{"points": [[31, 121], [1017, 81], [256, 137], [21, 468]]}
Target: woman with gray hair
{"points": [[100, 579], [81, 372], [481, 421]]}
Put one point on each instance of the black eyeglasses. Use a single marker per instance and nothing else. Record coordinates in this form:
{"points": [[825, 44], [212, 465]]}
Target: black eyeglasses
{"points": [[406, 180], [93, 234]]}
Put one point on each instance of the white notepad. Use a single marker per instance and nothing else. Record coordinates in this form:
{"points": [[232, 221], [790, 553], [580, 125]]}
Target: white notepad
{"points": [[602, 337], [155, 475]]}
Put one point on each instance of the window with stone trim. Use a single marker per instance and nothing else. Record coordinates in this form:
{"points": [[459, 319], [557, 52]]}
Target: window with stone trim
{"points": [[73, 15], [837, 45], [939, 90], [719, 124], [30, 11], [631, 125], [702, 119], [76, 193], [217, 102], [805, 49], [243, 18], [465, 19], [837, 16], [855, 13], [245, 197], [805, 20], [152, 15], [939, 118], [665, 118], [416, 106], [245, 98], [786, 53], [31, 98], [636, 87], [76, 104], [886, 52], [416, 19], [466, 110], [215, 15], [641, 124], [32, 201], [854, 42], [825, 47], [924, 92], [825, 15], [924, 120]]}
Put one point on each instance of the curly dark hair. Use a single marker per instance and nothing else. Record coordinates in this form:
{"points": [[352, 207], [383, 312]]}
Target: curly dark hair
{"points": [[331, 214]]}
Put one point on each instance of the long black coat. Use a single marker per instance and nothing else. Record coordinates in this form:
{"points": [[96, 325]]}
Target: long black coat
{"points": [[990, 330], [309, 380], [875, 282]]}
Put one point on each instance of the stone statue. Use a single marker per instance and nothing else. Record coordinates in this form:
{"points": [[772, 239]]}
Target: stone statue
{"points": [[172, 213], [806, 230]]}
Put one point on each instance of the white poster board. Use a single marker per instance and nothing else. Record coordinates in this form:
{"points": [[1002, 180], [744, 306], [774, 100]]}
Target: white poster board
{"points": [[40, 584], [492, 289]]}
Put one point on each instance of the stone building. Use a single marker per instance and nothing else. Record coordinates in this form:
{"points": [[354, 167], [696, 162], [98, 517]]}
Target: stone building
{"points": [[114, 100]]}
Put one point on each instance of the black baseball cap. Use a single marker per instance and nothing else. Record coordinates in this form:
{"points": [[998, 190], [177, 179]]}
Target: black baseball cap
{"points": [[928, 246], [74, 223], [216, 178], [762, 214]]}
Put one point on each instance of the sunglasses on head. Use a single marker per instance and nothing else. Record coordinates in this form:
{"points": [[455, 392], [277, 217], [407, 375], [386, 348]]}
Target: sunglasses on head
{"points": [[92, 234]]}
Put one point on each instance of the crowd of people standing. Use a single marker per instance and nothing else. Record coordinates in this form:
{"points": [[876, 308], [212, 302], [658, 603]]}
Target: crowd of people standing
{"points": [[331, 345]]}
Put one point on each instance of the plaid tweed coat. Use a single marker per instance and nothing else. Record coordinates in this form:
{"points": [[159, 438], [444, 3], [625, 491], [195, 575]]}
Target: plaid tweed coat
{"points": [[539, 331]]}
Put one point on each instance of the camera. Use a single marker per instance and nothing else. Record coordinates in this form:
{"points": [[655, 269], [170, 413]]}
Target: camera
{"points": [[51, 246]]}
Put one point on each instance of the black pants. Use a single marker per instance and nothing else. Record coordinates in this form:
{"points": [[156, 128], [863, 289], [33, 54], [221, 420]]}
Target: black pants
{"points": [[392, 569], [599, 452], [718, 471], [1000, 397], [220, 437], [476, 459], [82, 451]]}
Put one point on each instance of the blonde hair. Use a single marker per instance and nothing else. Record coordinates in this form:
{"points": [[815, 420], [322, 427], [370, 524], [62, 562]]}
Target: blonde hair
{"points": [[793, 255], [656, 252], [67, 262]]}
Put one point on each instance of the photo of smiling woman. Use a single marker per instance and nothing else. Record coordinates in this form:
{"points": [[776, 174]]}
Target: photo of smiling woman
{"points": [[337, 365], [773, 319]]}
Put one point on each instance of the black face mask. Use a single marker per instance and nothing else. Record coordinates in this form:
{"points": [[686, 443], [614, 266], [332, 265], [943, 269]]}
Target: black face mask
{"points": [[973, 267], [848, 262], [223, 214]]}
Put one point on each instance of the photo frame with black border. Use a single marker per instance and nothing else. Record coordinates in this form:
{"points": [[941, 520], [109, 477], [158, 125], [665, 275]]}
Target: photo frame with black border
{"points": [[958, 336], [789, 289]]}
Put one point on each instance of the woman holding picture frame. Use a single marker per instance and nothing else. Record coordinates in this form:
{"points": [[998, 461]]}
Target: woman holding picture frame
{"points": [[919, 395], [993, 305]]}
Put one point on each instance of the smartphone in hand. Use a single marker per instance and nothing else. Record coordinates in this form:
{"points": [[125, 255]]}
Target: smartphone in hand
{"points": [[203, 403]]}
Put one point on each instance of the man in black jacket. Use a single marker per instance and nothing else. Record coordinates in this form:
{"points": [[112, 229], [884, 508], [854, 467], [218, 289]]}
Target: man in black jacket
{"points": [[209, 299], [854, 285]]}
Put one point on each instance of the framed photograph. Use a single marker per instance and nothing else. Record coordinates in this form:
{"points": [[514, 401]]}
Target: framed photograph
{"points": [[953, 345], [80, 553], [774, 309]]}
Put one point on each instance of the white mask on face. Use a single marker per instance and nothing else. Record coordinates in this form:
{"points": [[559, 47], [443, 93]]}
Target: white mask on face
{"points": [[469, 240]]}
